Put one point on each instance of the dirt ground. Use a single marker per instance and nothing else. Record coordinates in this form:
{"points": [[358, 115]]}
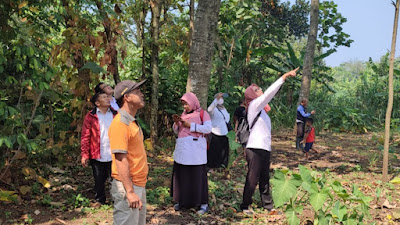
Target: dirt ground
{"points": [[350, 158]]}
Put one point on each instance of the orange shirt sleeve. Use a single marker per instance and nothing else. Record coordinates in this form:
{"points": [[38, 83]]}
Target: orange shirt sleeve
{"points": [[119, 136]]}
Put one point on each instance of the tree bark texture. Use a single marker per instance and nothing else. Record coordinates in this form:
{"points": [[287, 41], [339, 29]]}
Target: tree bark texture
{"points": [[310, 51], [155, 27], [191, 25], [390, 100], [202, 49]]}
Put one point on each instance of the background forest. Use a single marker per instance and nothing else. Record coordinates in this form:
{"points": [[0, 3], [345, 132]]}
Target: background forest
{"points": [[53, 53]]}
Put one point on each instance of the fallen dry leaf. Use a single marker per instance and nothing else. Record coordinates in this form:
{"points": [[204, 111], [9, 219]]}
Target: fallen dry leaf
{"points": [[61, 221], [25, 189], [386, 204]]}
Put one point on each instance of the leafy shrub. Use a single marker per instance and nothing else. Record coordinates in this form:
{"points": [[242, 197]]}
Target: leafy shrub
{"points": [[330, 201], [77, 201], [159, 196]]}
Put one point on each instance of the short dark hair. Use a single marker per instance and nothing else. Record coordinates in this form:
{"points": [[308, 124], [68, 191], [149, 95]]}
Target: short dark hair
{"points": [[94, 98], [310, 120], [98, 89], [120, 101]]}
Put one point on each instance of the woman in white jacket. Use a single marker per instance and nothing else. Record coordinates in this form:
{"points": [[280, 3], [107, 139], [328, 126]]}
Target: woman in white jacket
{"points": [[189, 177], [258, 146], [218, 150]]}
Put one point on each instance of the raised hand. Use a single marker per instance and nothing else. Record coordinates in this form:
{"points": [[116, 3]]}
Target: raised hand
{"points": [[291, 73]]}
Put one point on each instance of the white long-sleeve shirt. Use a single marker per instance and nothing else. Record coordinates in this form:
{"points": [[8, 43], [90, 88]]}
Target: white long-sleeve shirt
{"points": [[192, 150], [260, 134], [217, 119]]}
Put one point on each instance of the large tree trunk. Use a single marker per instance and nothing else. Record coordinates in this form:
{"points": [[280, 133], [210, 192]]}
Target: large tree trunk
{"points": [[202, 50], [155, 25], [390, 101], [310, 50]]}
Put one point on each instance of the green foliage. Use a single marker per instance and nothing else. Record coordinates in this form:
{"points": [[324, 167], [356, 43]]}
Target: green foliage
{"points": [[46, 200], [159, 196], [330, 201], [78, 200]]}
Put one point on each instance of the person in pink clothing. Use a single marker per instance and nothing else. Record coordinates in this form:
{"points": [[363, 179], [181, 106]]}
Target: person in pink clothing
{"points": [[189, 186]]}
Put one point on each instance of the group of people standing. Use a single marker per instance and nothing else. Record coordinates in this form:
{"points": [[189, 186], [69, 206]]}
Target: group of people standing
{"points": [[191, 157], [112, 141]]}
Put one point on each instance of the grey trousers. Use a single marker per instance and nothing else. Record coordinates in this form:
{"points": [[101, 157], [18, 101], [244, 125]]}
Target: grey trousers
{"points": [[123, 215]]}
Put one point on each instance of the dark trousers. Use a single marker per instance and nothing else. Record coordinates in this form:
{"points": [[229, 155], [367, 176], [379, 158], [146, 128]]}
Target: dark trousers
{"points": [[300, 135], [218, 151], [101, 171], [258, 162]]}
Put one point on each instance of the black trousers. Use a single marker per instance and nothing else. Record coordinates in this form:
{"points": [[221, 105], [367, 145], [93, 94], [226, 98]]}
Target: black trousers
{"points": [[101, 171], [258, 162], [218, 151]]}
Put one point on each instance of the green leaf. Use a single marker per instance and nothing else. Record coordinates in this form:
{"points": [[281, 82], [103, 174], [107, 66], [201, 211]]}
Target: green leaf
{"points": [[318, 199], [339, 211], [239, 12], [268, 51], [31, 52], [305, 174], [283, 189], [92, 66], [19, 67], [293, 58], [233, 145], [291, 217]]}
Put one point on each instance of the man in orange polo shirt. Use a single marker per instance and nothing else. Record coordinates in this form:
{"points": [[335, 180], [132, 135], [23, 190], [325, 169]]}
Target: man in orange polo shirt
{"points": [[129, 160]]}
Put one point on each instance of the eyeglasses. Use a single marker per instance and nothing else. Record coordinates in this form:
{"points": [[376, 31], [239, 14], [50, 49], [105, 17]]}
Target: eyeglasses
{"points": [[257, 89], [105, 86]]}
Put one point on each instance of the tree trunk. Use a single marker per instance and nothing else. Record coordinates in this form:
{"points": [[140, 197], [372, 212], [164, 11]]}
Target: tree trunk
{"points": [[220, 66], [142, 38], [202, 50], [310, 50], [390, 101], [191, 26], [155, 25]]}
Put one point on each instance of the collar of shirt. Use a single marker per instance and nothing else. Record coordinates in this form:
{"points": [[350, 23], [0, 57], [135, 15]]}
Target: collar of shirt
{"points": [[99, 111], [126, 117]]}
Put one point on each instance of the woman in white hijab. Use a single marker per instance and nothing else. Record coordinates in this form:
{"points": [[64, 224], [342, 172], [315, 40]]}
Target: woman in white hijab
{"points": [[218, 151]]}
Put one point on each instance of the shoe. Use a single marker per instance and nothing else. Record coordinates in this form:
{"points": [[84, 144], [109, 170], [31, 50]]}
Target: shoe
{"points": [[95, 205], [248, 212], [177, 207], [203, 209]]}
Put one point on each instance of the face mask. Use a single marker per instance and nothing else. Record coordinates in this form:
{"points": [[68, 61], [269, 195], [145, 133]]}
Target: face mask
{"points": [[220, 101]]}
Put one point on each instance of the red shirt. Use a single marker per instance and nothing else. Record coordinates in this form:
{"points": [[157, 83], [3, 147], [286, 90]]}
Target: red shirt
{"points": [[311, 136]]}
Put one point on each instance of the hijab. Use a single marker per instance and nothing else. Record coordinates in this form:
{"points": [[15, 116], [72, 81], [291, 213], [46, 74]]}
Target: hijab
{"points": [[194, 103], [193, 116], [250, 95]]}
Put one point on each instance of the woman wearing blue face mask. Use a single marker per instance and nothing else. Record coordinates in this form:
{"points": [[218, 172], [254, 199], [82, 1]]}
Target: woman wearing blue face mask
{"points": [[218, 151]]}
